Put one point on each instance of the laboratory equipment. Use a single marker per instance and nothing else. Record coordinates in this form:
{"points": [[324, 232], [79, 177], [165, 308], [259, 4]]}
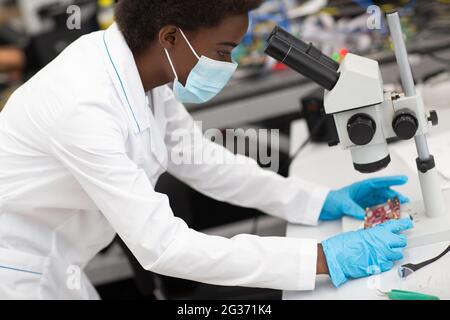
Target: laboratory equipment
{"points": [[407, 269], [407, 295], [382, 213], [366, 117]]}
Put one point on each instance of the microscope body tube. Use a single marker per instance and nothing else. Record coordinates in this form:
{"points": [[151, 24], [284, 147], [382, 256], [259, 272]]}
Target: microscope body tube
{"points": [[429, 179], [302, 62]]}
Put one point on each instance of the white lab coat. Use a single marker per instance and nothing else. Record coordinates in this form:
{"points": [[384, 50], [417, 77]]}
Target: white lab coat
{"points": [[80, 153]]}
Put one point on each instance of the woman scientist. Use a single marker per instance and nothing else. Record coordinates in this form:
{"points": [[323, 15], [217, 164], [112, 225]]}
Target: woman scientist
{"points": [[83, 143]]}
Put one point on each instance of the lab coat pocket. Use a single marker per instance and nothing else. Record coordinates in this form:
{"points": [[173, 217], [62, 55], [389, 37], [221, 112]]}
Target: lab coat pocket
{"points": [[20, 274]]}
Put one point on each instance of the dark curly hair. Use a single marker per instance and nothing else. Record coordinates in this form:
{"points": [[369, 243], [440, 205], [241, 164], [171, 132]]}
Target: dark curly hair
{"points": [[141, 20]]}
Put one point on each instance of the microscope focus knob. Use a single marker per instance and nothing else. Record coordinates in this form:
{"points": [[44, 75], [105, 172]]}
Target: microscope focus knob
{"points": [[433, 118], [361, 129], [405, 125]]}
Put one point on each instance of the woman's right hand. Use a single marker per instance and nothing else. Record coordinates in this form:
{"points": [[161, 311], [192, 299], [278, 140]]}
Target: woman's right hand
{"points": [[363, 253]]}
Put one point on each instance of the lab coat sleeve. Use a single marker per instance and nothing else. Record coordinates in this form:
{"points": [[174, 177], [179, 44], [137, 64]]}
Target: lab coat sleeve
{"points": [[213, 170], [90, 144]]}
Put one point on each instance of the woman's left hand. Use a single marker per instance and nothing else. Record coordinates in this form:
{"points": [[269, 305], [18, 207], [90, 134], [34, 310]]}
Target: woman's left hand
{"points": [[354, 199]]}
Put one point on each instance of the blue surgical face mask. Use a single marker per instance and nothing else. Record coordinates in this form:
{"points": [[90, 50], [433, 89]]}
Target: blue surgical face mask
{"points": [[205, 80]]}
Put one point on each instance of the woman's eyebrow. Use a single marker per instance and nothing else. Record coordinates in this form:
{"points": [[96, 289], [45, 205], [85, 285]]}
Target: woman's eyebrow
{"points": [[226, 43]]}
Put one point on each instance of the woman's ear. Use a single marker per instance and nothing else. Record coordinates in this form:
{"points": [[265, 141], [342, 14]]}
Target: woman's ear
{"points": [[168, 37]]}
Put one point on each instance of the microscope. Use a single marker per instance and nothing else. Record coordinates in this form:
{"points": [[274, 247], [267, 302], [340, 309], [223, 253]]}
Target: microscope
{"points": [[366, 116]]}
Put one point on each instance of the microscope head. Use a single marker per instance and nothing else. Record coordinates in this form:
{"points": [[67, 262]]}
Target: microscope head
{"points": [[353, 95], [357, 104]]}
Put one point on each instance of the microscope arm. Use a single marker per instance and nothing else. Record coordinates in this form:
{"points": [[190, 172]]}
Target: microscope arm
{"points": [[428, 175]]}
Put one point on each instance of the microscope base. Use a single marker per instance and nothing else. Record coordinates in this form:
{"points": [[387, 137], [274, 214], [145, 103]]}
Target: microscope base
{"points": [[426, 230]]}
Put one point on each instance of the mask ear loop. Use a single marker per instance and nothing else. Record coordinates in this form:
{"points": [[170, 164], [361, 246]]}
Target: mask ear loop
{"points": [[189, 44], [171, 64], [170, 60]]}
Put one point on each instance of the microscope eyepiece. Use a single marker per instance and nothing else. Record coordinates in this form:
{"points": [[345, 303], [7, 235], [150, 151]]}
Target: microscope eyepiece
{"points": [[305, 47], [303, 58]]}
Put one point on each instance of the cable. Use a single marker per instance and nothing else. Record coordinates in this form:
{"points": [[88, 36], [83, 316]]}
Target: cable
{"points": [[407, 269], [313, 132], [301, 148]]}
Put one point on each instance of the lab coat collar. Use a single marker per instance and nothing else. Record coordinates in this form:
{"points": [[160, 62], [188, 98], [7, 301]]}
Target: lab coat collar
{"points": [[125, 76]]}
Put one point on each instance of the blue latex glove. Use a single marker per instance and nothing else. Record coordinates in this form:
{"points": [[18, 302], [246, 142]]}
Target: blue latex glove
{"points": [[354, 199], [363, 253]]}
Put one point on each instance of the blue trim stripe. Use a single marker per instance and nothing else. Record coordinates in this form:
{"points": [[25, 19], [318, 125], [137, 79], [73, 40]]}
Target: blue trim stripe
{"points": [[26, 271], [120, 80]]}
